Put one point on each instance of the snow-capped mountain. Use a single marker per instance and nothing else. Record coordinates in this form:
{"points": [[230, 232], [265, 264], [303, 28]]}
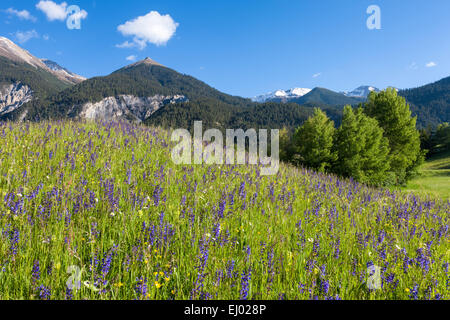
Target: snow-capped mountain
{"points": [[63, 72], [361, 92], [283, 95], [294, 95]]}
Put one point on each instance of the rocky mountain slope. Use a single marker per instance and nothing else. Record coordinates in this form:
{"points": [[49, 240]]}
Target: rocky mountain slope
{"points": [[62, 72], [11, 51], [135, 109], [13, 96], [134, 92], [23, 77]]}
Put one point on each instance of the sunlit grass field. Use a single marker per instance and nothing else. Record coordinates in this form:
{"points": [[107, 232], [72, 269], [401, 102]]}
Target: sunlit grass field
{"points": [[106, 199], [434, 177]]}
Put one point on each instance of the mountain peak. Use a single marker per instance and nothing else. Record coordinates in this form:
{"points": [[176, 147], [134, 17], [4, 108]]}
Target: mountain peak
{"points": [[361, 92], [10, 50], [147, 61], [63, 72], [282, 94]]}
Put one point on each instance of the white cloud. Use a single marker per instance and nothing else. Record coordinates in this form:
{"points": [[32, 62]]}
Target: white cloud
{"points": [[24, 36], [52, 10], [131, 58], [151, 28], [316, 75], [431, 64], [23, 15], [46, 37], [126, 44]]}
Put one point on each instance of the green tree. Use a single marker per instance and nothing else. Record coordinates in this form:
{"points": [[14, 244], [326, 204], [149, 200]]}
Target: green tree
{"points": [[441, 139], [313, 142], [361, 148], [287, 148], [394, 116]]}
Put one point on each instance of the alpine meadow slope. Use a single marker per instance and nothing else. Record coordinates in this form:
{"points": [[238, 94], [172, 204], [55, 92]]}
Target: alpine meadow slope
{"points": [[106, 199]]}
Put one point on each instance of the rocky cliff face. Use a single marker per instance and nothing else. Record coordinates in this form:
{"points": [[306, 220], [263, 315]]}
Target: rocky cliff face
{"points": [[13, 96], [127, 107]]}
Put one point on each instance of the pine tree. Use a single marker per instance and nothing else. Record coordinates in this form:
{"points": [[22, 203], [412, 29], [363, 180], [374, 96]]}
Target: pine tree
{"points": [[394, 116], [313, 142], [361, 148]]}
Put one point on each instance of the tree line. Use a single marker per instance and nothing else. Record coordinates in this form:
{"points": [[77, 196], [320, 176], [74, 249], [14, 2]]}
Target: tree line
{"points": [[437, 140]]}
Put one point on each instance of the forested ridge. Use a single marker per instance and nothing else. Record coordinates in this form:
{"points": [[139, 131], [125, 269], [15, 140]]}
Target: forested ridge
{"points": [[430, 103], [58, 100]]}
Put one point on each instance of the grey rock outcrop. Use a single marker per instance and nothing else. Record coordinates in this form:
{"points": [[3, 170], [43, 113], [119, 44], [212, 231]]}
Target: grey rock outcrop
{"points": [[127, 107], [13, 96]]}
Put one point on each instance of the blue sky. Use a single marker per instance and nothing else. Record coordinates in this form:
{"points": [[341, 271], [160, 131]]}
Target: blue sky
{"points": [[248, 47]]}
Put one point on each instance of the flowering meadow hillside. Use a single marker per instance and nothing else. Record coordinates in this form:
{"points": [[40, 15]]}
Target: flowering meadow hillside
{"points": [[99, 211]]}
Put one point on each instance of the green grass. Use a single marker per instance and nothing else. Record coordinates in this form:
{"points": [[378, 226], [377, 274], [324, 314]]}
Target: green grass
{"points": [[434, 178]]}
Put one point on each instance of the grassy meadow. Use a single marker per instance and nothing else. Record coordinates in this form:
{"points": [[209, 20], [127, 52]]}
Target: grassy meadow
{"points": [[99, 211], [434, 178]]}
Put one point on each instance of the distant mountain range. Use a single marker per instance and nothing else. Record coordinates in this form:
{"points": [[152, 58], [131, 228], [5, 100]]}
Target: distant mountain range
{"points": [[361, 92], [282, 95], [146, 91], [318, 95]]}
